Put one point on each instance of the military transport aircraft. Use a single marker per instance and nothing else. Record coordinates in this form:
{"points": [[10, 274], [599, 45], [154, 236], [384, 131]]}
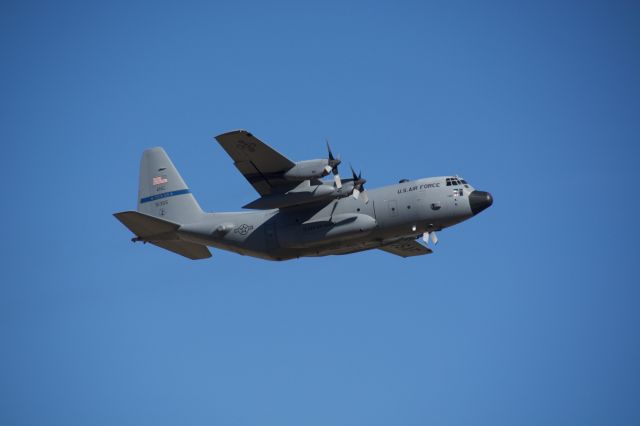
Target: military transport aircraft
{"points": [[297, 214]]}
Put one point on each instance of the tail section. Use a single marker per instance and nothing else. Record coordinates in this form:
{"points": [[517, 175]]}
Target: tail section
{"points": [[161, 233], [164, 204], [162, 192]]}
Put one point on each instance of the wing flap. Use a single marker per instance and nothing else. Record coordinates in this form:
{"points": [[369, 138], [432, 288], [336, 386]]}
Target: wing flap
{"points": [[259, 181]]}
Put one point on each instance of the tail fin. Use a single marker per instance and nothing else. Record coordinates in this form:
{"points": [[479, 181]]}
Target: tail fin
{"points": [[162, 192]]}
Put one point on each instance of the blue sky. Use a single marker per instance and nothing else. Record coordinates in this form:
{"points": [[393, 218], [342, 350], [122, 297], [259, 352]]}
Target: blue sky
{"points": [[526, 314]]}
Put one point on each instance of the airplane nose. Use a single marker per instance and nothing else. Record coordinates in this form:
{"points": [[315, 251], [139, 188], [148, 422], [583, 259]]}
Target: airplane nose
{"points": [[479, 200]]}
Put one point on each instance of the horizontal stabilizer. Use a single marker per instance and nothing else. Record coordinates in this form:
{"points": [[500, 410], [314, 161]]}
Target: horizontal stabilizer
{"points": [[192, 251], [144, 225], [161, 233]]}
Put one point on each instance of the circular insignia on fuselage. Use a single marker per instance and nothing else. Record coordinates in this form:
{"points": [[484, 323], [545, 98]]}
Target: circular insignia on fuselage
{"points": [[243, 229]]}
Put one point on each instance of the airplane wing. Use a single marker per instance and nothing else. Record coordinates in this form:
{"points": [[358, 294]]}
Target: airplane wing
{"points": [[406, 248], [260, 164]]}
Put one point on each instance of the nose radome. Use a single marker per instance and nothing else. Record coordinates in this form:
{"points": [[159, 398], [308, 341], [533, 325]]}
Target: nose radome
{"points": [[479, 200]]}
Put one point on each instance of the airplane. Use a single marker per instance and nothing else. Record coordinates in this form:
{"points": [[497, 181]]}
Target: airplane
{"points": [[298, 214]]}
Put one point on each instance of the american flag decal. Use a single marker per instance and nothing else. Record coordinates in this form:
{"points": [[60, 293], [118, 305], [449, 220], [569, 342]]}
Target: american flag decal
{"points": [[159, 180]]}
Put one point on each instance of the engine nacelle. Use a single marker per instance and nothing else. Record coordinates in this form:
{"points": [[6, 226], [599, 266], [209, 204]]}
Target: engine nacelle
{"points": [[303, 194], [309, 194], [308, 169], [340, 227]]}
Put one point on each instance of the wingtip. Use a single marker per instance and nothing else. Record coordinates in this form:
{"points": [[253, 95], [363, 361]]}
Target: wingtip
{"points": [[231, 133]]}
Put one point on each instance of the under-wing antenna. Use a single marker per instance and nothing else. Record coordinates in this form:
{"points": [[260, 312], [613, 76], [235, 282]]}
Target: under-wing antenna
{"points": [[333, 209]]}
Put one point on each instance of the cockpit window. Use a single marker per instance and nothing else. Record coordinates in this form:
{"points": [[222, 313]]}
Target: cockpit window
{"points": [[453, 181]]}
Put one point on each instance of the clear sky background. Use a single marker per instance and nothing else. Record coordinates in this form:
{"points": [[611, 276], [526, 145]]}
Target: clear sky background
{"points": [[525, 315]]}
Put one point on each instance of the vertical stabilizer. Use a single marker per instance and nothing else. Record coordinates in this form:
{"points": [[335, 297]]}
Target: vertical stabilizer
{"points": [[162, 192]]}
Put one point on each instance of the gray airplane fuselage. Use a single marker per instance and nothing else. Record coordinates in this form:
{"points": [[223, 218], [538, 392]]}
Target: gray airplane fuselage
{"points": [[340, 226]]}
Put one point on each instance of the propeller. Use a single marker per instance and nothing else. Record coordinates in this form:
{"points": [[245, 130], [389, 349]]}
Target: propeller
{"points": [[433, 236], [332, 167], [358, 186]]}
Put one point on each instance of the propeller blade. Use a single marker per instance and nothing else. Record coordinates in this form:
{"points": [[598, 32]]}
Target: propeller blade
{"points": [[329, 150], [426, 236], [332, 167], [358, 185], [338, 181], [434, 238]]}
